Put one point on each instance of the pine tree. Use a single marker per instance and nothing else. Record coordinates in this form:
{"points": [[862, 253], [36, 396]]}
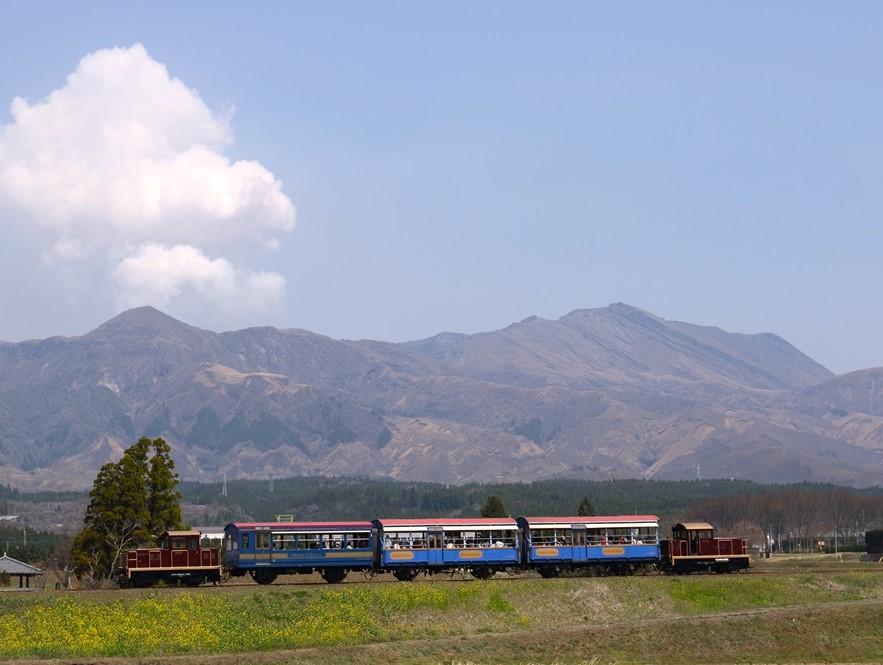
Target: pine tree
{"points": [[586, 508], [493, 507], [164, 499]]}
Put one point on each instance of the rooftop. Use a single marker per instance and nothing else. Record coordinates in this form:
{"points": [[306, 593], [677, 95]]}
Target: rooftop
{"points": [[15, 567]]}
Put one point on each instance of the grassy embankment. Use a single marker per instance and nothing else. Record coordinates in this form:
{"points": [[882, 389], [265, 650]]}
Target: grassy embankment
{"points": [[646, 619]]}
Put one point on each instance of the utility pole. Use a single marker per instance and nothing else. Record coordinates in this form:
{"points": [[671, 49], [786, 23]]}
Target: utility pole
{"points": [[699, 472], [271, 484], [224, 486]]}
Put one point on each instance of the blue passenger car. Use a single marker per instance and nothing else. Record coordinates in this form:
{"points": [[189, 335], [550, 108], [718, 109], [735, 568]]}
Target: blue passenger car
{"points": [[265, 550], [481, 545], [619, 543]]}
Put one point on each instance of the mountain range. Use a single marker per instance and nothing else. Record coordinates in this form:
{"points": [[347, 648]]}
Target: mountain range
{"points": [[611, 392]]}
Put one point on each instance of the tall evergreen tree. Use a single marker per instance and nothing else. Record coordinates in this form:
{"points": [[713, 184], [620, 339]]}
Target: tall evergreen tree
{"points": [[130, 500], [586, 508], [164, 499], [493, 507]]}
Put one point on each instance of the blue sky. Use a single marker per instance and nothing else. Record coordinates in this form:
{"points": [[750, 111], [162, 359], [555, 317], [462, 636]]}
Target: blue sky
{"points": [[459, 166]]}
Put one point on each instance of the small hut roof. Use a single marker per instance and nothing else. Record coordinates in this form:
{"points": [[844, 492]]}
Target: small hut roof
{"points": [[16, 567]]}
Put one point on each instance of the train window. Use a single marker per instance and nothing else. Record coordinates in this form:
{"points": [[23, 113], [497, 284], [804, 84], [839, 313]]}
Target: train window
{"points": [[262, 540], [332, 541], [479, 539], [579, 537], [553, 537], [648, 535], [310, 541], [245, 540], [284, 541], [404, 540], [359, 540], [619, 536]]}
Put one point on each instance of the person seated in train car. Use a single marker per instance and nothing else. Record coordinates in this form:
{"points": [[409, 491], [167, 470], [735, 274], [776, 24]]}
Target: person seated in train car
{"points": [[499, 544]]}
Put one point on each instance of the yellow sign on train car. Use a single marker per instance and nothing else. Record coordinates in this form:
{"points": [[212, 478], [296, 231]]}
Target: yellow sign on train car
{"points": [[470, 554], [399, 555], [547, 551], [613, 551]]}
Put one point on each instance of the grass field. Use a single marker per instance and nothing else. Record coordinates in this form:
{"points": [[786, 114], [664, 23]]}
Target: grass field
{"points": [[801, 616]]}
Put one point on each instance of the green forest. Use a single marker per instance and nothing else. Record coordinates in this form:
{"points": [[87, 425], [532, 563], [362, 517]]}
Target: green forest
{"points": [[359, 498]]}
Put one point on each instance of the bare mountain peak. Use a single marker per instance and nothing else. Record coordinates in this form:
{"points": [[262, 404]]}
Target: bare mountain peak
{"points": [[146, 320], [613, 309]]}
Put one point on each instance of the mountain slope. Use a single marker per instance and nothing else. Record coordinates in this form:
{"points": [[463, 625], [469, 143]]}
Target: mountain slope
{"points": [[608, 392], [621, 344]]}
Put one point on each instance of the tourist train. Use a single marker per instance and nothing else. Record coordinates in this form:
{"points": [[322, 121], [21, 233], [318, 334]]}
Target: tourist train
{"points": [[406, 548]]}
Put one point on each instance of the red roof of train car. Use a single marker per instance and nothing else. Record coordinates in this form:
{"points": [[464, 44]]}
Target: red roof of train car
{"points": [[594, 519], [447, 521], [302, 525]]}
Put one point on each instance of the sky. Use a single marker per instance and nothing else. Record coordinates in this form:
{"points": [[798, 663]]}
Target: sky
{"points": [[394, 170]]}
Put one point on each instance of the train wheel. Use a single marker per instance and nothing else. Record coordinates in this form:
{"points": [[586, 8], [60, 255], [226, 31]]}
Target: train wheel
{"points": [[405, 574], [549, 571], [483, 573], [333, 575], [194, 580], [264, 576]]}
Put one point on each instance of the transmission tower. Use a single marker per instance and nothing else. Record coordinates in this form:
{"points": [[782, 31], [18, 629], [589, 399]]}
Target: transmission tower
{"points": [[224, 486]]}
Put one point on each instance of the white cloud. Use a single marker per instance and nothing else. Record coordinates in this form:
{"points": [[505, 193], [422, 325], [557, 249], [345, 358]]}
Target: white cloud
{"points": [[125, 162], [161, 275]]}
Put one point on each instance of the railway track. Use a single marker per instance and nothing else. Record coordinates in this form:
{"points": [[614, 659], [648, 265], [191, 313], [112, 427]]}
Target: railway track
{"points": [[441, 579]]}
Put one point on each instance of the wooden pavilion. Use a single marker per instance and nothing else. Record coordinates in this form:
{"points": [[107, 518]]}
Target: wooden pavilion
{"points": [[20, 569]]}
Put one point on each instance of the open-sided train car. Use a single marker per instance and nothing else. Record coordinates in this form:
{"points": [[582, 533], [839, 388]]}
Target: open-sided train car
{"points": [[482, 545], [693, 548], [266, 550], [179, 557], [617, 544]]}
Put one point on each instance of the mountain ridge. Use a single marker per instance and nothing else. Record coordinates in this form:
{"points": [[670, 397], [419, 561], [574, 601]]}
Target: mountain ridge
{"points": [[604, 392]]}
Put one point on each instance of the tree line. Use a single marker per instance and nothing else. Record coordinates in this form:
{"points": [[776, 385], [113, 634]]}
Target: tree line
{"points": [[796, 519]]}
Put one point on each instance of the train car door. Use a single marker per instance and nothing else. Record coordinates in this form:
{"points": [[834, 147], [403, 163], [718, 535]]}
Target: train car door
{"points": [[435, 539], [578, 538], [262, 546]]}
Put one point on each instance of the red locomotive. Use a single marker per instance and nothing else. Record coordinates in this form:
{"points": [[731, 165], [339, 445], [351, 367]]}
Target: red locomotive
{"points": [[179, 558], [693, 548]]}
